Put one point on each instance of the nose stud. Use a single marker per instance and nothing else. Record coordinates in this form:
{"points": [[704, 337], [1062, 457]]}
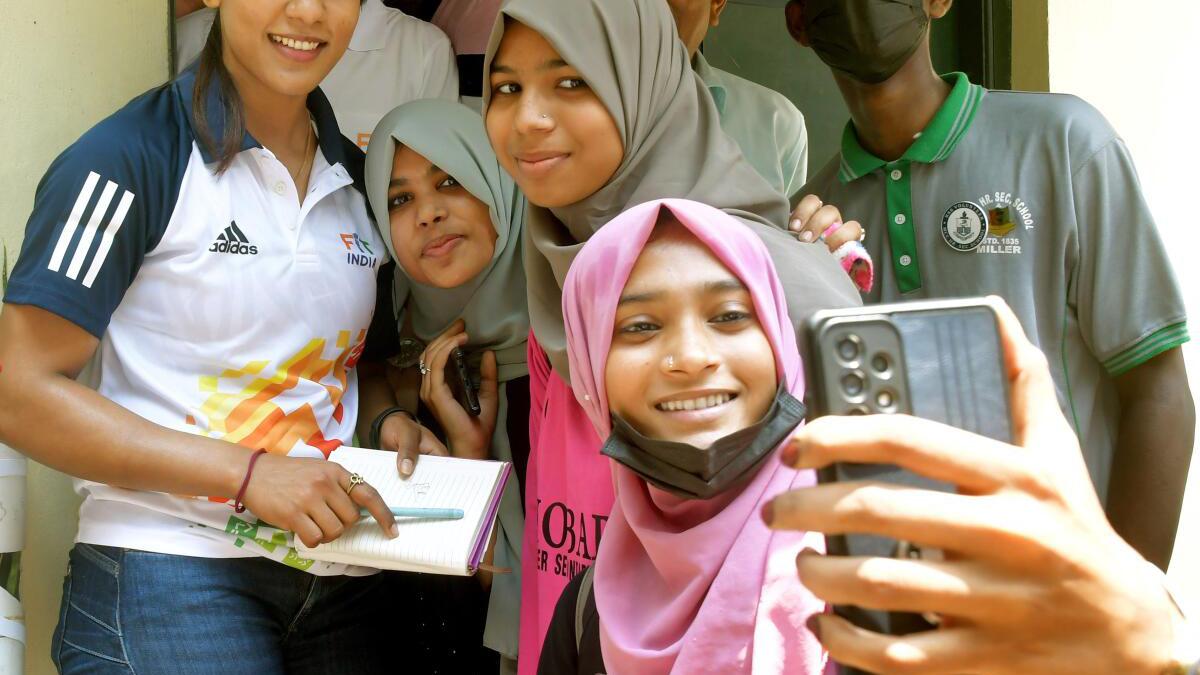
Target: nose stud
{"points": [[545, 116], [670, 361]]}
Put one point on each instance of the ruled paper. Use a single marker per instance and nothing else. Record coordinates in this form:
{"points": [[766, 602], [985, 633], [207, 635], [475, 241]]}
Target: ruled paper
{"points": [[434, 546]]}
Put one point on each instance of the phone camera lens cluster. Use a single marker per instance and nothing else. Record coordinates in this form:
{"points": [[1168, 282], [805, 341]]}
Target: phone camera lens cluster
{"points": [[865, 377]]}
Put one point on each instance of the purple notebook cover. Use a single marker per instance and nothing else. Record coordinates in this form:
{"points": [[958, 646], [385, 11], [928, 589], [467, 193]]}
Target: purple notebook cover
{"points": [[481, 543]]}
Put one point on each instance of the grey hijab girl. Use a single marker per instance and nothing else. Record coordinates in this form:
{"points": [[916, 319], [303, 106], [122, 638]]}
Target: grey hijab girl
{"points": [[493, 304]]}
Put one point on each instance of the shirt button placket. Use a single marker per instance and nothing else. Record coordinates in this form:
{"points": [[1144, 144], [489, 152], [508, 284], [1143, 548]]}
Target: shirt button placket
{"points": [[898, 184]]}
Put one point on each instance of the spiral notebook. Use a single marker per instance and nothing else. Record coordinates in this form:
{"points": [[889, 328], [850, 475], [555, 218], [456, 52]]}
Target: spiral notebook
{"points": [[452, 547]]}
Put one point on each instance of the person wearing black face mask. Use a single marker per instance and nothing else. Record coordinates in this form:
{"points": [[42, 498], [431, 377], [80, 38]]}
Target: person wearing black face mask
{"points": [[1032, 197]]}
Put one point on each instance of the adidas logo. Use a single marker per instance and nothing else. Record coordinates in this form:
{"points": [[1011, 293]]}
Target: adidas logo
{"points": [[234, 241]]}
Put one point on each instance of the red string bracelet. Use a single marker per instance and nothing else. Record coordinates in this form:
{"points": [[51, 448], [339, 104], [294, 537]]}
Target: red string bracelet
{"points": [[238, 506]]}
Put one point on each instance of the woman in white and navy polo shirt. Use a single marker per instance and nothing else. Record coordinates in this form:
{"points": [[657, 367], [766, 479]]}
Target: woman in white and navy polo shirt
{"points": [[208, 251]]}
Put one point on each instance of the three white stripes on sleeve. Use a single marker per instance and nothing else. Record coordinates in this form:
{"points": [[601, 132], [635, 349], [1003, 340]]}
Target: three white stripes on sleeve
{"points": [[89, 231]]}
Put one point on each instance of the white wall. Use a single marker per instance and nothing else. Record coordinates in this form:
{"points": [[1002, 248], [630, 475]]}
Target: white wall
{"points": [[1137, 61], [64, 65]]}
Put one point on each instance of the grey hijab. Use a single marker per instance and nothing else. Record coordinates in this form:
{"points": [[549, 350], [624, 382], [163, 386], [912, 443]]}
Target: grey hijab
{"points": [[630, 54], [451, 136], [493, 304]]}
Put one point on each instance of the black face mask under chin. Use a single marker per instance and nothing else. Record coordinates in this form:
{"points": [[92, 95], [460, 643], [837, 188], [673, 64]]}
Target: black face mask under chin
{"points": [[867, 40], [693, 473]]}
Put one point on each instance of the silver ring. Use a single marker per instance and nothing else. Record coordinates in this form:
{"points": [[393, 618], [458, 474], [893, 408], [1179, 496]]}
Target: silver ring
{"points": [[423, 368]]}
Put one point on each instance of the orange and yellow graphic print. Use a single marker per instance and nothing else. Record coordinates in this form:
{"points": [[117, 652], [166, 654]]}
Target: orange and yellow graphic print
{"points": [[252, 417]]}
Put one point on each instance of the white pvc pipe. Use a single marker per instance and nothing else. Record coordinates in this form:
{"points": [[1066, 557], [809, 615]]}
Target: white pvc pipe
{"points": [[12, 500], [12, 539], [12, 635]]}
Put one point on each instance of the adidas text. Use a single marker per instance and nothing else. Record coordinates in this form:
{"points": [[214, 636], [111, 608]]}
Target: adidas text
{"points": [[232, 247], [232, 240]]}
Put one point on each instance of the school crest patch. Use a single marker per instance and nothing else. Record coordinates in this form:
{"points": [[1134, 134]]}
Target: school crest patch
{"points": [[965, 226]]}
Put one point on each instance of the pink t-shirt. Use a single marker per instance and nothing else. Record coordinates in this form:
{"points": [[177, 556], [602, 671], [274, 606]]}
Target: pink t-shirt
{"points": [[568, 496]]}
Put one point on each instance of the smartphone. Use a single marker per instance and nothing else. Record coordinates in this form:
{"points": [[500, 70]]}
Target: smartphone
{"points": [[940, 360], [465, 388]]}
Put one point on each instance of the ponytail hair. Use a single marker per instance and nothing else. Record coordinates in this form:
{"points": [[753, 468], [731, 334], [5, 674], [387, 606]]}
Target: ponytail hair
{"points": [[210, 69]]}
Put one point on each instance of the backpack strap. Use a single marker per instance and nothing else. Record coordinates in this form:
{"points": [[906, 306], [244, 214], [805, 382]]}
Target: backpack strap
{"points": [[585, 590]]}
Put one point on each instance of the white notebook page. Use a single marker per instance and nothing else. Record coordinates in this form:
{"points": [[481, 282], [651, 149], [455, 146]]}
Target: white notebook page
{"points": [[438, 546]]}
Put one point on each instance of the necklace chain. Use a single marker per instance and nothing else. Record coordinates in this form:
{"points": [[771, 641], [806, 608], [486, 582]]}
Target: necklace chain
{"points": [[308, 157]]}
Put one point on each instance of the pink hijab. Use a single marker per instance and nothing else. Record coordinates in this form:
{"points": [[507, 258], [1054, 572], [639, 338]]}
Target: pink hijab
{"points": [[682, 585]]}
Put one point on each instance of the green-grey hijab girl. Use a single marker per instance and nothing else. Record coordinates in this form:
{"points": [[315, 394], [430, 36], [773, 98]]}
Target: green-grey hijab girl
{"points": [[630, 54], [493, 303]]}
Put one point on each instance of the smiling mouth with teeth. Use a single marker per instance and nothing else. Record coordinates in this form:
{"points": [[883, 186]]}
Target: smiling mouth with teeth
{"points": [[298, 45], [702, 403]]}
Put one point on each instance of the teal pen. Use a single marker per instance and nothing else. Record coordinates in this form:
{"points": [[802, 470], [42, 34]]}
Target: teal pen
{"points": [[417, 512]]}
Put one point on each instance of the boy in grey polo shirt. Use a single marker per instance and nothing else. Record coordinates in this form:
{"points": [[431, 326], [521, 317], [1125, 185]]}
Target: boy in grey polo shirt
{"points": [[1032, 197]]}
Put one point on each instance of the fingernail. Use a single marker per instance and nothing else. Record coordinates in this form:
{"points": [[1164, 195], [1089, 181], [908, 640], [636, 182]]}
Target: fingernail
{"points": [[790, 454], [794, 225], [806, 237], [395, 530], [808, 550], [768, 513], [814, 625], [406, 467]]}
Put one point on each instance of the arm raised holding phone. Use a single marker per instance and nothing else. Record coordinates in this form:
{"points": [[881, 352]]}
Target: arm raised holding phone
{"points": [[1035, 580]]}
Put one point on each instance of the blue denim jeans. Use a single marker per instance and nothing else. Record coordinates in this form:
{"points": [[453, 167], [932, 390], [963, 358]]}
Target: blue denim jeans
{"points": [[126, 611]]}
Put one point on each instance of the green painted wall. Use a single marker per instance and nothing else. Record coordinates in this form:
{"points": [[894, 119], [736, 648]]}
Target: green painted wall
{"points": [[753, 42]]}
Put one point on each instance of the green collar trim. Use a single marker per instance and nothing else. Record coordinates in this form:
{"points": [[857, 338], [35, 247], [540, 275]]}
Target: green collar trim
{"points": [[934, 144], [709, 77]]}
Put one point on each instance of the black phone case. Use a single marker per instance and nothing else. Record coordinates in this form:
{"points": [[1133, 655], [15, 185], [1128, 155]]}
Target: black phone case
{"points": [[466, 391], [953, 371]]}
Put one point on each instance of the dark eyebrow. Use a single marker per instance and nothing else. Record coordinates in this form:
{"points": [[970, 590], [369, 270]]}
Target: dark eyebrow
{"points": [[549, 65], [639, 297], [724, 285], [398, 182], [731, 284]]}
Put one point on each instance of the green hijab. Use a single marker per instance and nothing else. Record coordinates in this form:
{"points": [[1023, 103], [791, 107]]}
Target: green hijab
{"points": [[630, 54], [493, 304]]}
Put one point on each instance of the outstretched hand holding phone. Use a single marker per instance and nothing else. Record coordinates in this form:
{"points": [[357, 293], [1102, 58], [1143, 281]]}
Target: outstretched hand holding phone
{"points": [[1035, 580]]}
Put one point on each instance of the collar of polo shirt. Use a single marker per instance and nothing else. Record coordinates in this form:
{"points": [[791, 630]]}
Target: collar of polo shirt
{"points": [[935, 143], [329, 135], [371, 33], [705, 71]]}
